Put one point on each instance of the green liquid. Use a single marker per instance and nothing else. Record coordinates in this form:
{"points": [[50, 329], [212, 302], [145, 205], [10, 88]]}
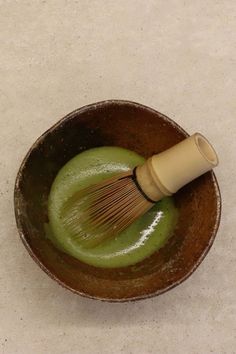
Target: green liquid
{"points": [[138, 241]]}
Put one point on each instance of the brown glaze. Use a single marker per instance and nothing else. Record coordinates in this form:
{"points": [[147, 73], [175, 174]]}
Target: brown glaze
{"points": [[138, 128]]}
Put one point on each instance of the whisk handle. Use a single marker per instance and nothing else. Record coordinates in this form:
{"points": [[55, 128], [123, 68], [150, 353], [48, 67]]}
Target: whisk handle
{"points": [[165, 173]]}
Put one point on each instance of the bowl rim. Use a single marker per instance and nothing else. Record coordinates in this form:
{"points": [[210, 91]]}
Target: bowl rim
{"points": [[20, 227]]}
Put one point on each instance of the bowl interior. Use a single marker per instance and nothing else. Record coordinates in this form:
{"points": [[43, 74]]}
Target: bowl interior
{"points": [[138, 128]]}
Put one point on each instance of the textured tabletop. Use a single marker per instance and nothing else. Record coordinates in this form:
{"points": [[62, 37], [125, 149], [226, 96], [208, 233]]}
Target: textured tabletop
{"points": [[176, 56]]}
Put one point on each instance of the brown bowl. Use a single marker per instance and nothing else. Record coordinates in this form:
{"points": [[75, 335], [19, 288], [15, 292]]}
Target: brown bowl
{"points": [[146, 131]]}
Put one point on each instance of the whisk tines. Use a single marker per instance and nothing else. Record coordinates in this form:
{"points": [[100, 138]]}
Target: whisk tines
{"points": [[103, 210]]}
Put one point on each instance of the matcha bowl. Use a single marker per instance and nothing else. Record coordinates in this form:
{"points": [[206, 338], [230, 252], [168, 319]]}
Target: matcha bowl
{"points": [[145, 131]]}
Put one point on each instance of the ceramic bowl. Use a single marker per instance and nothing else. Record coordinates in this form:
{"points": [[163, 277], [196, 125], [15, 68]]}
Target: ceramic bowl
{"points": [[138, 128]]}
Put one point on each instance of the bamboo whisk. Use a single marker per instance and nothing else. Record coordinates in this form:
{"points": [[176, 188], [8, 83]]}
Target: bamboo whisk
{"points": [[103, 210]]}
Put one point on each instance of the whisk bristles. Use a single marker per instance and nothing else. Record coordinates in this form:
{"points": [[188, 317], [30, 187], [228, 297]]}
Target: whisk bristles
{"points": [[103, 210]]}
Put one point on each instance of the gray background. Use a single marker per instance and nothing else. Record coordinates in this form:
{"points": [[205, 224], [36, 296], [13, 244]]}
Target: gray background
{"points": [[176, 56]]}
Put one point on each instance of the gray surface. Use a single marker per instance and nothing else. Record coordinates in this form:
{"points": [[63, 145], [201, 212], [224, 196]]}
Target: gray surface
{"points": [[176, 56]]}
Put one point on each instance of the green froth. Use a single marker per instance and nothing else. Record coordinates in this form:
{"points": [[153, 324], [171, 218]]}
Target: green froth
{"points": [[138, 241]]}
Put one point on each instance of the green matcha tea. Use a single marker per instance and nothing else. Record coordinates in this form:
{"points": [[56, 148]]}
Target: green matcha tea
{"points": [[138, 241]]}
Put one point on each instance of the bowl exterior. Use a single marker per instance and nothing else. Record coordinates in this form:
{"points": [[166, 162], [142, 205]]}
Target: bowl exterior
{"points": [[138, 128]]}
